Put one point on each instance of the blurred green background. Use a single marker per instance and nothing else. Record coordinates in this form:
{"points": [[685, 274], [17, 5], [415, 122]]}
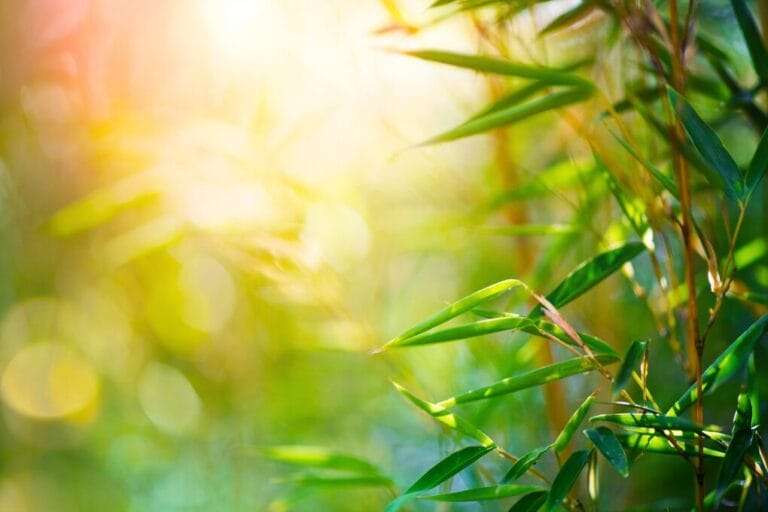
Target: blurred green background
{"points": [[212, 212]]}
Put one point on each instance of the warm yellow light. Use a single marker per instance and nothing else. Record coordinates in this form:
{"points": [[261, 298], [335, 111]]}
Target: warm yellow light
{"points": [[234, 25]]}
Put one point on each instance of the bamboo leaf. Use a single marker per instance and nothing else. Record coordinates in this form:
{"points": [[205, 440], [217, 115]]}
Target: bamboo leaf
{"points": [[758, 165], [341, 481], [606, 442], [513, 114], [741, 440], [589, 274], [447, 418], [319, 457], [631, 361], [470, 301], [439, 473], [569, 17], [657, 443], [494, 492], [650, 420], [752, 36], [633, 208], [524, 463], [530, 502], [470, 330], [497, 66], [727, 364], [565, 479], [573, 423], [531, 379], [709, 146]]}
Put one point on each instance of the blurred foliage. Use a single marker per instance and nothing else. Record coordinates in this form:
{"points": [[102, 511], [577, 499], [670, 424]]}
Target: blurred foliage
{"points": [[215, 212]]}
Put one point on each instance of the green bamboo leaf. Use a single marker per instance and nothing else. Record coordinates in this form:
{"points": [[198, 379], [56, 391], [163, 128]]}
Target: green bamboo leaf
{"points": [[632, 208], [534, 378], [532, 229], [650, 420], [470, 301], [497, 66], [654, 171], [511, 99], [589, 274], [319, 457], [513, 114], [470, 330], [565, 479], [752, 36], [341, 481], [631, 361], [606, 442], [439, 473], [759, 164], [524, 463], [569, 17], [494, 492], [742, 436], [709, 146], [530, 502], [573, 423], [727, 364], [657, 443], [447, 418]]}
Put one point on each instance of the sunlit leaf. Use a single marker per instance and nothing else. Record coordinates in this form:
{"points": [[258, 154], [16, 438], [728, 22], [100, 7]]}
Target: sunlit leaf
{"points": [[631, 361], [570, 16], [709, 146], [513, 114], [471, 330], [654, 171], [494, 492], [439, 473], [494, 65], [589, 274], [447, 418], [605, 441], [732, 360], [319, 457], [565, 436], [565, 479], [470, 301], [533, 378], [650, 420], [752, 36], [524, 463], [657, 443]]}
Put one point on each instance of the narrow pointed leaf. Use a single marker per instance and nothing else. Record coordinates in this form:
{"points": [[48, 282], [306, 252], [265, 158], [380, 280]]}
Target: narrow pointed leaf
{"points": [[589, 274], [758, 165], [709, 146], [657, 443], [470, 330], [654, 171], [752, 36], [565, 479], [470, 301], [514, 114], [497, 66], [524, 463], [570, 17], [530, 502], [531, 379], [439, 473], [632, 208], [573, 423], [319, 457], [650, 420], [631, 361], [727, 364], [741, 440], [494, 492], [606, 442], [447, 418]]}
